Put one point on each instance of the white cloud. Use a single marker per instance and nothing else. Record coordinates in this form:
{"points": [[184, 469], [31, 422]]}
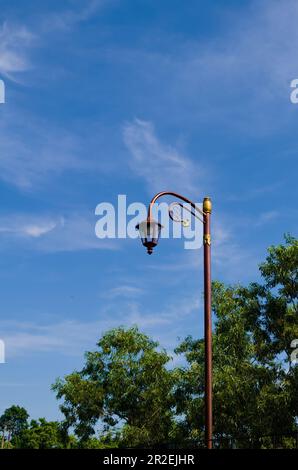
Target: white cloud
{"points": [[15, 42], [234, 261], [238, 79], [266, 217], [67, 19], [52, 234], [26, 226], [74, 337], [32, 151], [161, 166], [241, 78], [38, 230], [66, 337], [231, 261], [75, 232], [123, 291]]}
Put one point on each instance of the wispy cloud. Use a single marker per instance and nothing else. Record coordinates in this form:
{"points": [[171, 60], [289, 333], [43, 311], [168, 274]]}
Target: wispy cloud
{"points": [[66, 337], [26, 226], [237, 80], [73, 337], [32, 151], [15, 42], [242, 74], [123, 291], [266, 217], [67, 19], [232, 261], [76, 232], [178, 310], [73, 232], [256, 192], [161, 166]]}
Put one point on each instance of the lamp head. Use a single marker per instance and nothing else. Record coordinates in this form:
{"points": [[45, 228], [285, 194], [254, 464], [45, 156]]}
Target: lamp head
{"points": [[149, 231]]}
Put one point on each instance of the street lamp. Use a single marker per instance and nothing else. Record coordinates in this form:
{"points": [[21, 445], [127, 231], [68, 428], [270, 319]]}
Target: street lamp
{"points": [[150, 232]]}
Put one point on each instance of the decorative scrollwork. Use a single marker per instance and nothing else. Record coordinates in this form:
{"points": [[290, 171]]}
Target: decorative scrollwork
{"points": [[175, 213]]}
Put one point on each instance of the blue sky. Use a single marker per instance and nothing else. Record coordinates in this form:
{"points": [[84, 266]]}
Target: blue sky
{"points": [[100, 95]]}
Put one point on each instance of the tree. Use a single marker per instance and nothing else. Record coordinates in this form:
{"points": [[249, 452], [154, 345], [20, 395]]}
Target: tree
{"points": [[42, 434], [250, 399], [128, 386], [254, 392], [271, 308], [124, 383], [12, 422]]}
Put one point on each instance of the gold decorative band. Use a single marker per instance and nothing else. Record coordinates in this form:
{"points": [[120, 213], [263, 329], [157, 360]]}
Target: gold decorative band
{"points": [[207, 239]]}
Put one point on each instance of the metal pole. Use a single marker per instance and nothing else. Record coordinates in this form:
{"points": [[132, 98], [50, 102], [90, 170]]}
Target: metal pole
{"points": [[207, 207]]}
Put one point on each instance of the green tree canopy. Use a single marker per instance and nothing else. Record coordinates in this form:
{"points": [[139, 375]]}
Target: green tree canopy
{"points": [[12, 422], [250, 398], [125, 382], [255, 392], [42, 434], [271, 307]]}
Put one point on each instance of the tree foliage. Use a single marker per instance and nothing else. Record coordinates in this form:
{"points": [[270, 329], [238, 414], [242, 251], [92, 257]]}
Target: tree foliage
{"points": [[271, 308], [129, 394], [251, 398], [125, 382], [12, 422], [255, 389], [42, 434]]}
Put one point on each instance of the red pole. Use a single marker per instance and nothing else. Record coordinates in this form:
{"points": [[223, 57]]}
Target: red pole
{"points": [[207, 207]]}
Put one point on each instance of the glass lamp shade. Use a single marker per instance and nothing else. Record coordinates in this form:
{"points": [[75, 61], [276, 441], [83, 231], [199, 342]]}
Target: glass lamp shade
{"points": [[149, 231]]}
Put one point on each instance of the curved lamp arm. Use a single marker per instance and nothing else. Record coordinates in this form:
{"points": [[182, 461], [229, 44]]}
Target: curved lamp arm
{"points": [[170, 193]]}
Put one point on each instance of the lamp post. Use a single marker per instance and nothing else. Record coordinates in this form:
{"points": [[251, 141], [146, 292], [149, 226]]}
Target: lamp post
{"points": [[150, 231]]}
